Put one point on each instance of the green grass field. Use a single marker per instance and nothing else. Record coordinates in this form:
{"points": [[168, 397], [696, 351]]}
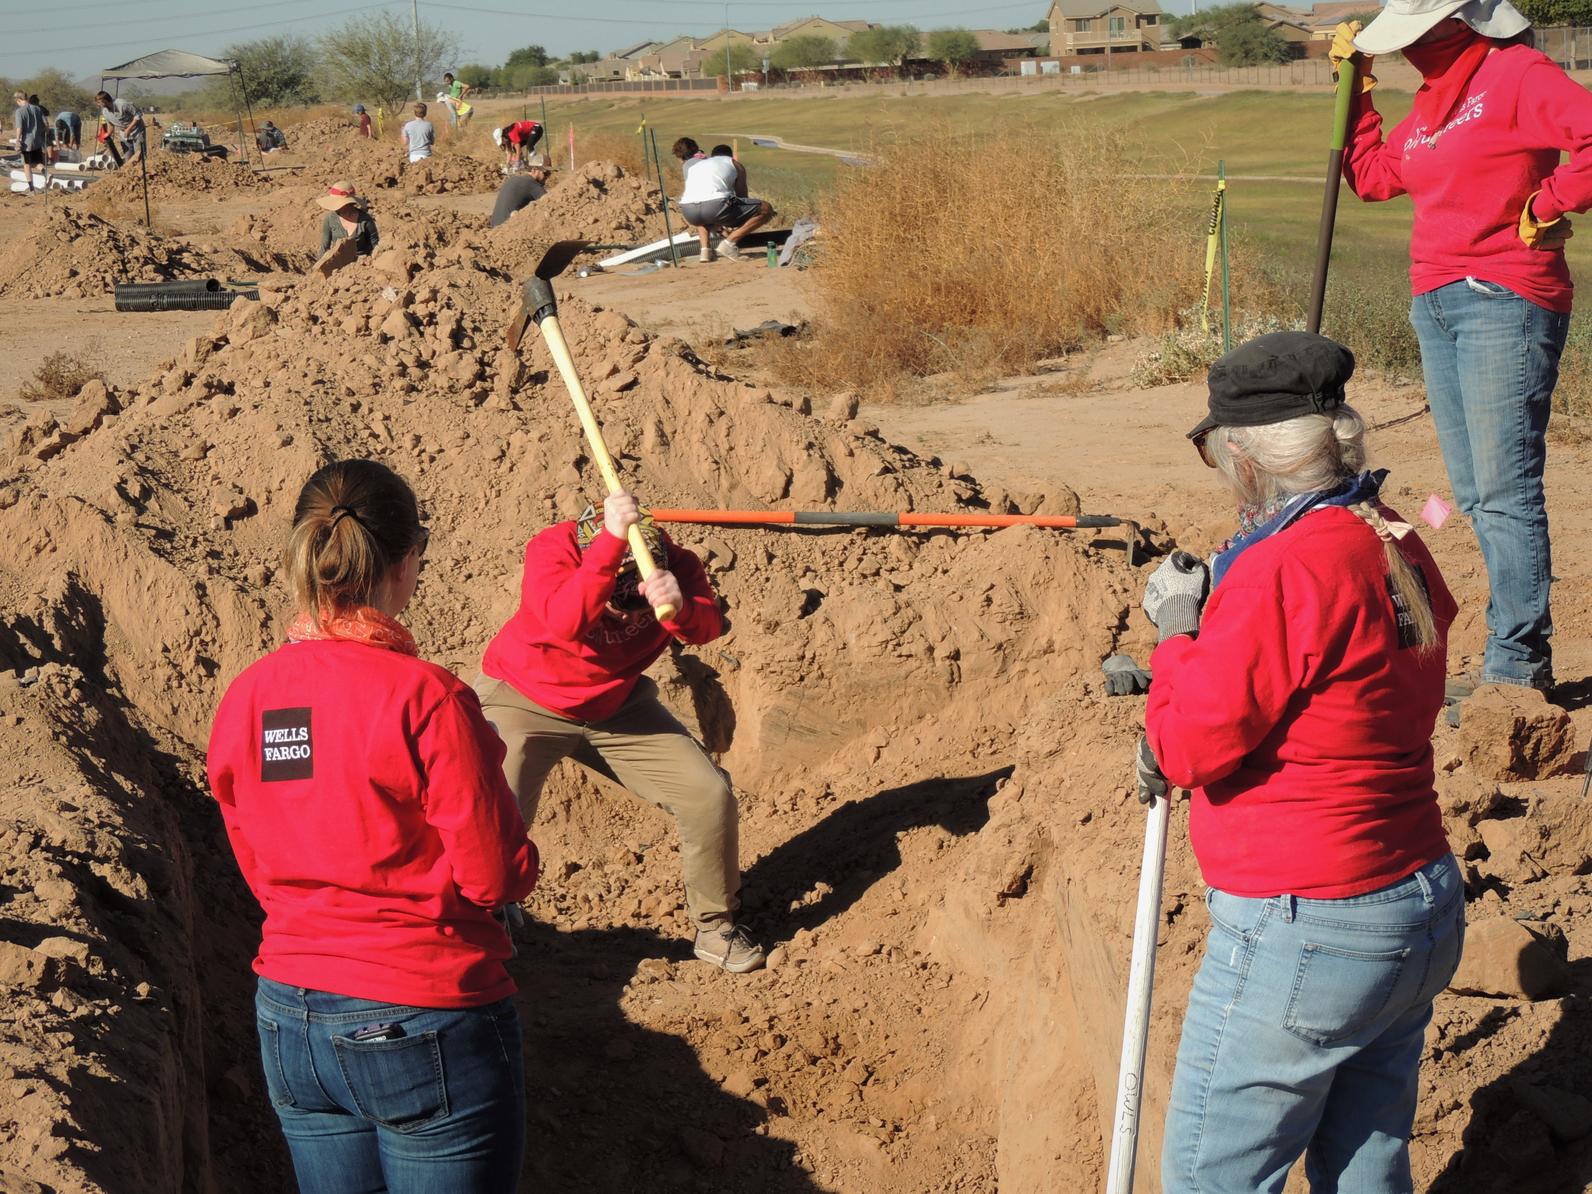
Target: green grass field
{"points": [[1274, 147]]}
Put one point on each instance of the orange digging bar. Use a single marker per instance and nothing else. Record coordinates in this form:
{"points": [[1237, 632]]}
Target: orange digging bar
{"points": [[864, 518]]}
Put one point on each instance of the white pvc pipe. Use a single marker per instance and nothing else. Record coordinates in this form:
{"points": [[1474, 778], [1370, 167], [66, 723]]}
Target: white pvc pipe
{"points": [[1136, 1022]]}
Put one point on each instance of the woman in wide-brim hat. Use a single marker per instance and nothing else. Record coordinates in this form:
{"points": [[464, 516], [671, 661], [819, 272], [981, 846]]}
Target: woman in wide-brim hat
{"points": [[347, 215], [1479, 157]]}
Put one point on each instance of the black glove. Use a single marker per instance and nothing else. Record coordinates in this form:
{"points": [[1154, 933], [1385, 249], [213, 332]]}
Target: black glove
{"points": [[1152, 784], [1125, 677]]}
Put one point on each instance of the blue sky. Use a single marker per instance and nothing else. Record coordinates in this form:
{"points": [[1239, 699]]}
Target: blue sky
{"points": [[83, 36]]}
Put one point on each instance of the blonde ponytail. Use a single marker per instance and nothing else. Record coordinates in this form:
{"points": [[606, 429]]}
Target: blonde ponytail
{"points": [[354, 520], [1409, 590]]}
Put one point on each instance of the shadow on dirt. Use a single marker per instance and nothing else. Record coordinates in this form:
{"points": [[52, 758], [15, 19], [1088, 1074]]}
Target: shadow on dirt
{"points": [[857, 845], [615, 1107]]}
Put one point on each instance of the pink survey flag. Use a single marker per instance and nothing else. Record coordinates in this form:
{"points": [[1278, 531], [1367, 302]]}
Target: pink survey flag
{"points": [[1435, 513]]}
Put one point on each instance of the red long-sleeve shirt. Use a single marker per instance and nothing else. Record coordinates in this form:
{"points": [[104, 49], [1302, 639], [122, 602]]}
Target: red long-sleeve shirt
{"points": [[1470, 178], [522, 132], [364, 796], [563, 651], [1300, 724]]}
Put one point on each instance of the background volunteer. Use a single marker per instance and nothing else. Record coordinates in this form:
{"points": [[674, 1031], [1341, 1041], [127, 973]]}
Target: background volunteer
{"points": [[127, 122], [363, 795], [30, 138], [419, 135], [518, 191], [1299, 710], [1479, 157], [517, 141], [709, 201], [563, 679]]}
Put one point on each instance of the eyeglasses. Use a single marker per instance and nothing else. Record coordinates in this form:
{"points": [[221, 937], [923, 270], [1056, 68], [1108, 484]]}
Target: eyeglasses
{"points": [[424, 543], [1199, 446]]}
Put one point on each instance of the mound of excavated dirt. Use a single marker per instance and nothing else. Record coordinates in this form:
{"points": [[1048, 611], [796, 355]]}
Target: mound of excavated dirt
{"points": [[450, 174], [937, 820], [178, 176], [72, 253], [597, 202]]}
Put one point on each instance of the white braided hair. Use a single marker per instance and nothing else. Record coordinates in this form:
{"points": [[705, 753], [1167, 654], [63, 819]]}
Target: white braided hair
{"points": [[1312, 452]]}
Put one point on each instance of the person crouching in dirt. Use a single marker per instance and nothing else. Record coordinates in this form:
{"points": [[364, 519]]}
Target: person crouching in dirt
{"points": [[518, 142], [1298, 708], [518, 191], [347, 215], [709, 201], [363, 794], [563, 679]]}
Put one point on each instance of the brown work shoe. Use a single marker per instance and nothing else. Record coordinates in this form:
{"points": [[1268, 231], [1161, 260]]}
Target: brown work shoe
{"points": [[730, 948]]}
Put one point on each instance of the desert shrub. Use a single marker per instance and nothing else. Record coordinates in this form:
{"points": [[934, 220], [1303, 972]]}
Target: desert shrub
{"points": [[1189, 350], [1573, 396], [961, 254], [59, 377]]}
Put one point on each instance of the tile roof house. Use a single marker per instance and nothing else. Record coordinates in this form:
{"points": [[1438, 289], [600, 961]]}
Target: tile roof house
{"points": [[1105, 26]]}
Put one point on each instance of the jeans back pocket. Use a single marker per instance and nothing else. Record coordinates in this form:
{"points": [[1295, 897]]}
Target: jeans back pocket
{"points": [[1339, 992], [397, 1084]]}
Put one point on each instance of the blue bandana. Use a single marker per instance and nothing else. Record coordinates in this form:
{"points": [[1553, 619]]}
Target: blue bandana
{"points": [[1351, 492]]}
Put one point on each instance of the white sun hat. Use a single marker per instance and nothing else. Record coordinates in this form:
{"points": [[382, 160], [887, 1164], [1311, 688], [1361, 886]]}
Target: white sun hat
{"points": [[442, 97], [1404, 22], [497, 137]]}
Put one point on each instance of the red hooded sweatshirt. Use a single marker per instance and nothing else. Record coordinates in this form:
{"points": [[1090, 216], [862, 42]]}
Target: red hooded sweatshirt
{"points": [[1470, 178], [1300, 723], [563, 650], [364, 796]]}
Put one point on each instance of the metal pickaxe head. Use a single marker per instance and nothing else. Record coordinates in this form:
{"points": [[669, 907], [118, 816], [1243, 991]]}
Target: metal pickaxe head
{"points": [[536, 298]]}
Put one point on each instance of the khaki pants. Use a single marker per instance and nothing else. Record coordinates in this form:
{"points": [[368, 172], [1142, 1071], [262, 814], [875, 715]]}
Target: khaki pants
{"points": [[644, 749]]}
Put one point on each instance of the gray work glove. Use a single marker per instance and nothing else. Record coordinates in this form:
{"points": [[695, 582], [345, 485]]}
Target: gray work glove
{"points": [[1125, 677], [1152, 784], [1176, 594]]}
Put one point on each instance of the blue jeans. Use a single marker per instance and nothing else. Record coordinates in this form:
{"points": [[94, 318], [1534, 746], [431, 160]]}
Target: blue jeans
{"points": [[1304, 1034], [440, 1108], [1491, 360]]}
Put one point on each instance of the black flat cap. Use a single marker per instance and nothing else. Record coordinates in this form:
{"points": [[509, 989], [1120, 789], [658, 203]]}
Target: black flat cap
{"points": [[1278, 376]]}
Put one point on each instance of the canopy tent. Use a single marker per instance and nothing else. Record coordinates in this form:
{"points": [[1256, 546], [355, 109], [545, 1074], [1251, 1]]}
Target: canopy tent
{"points": [[180, 64]]}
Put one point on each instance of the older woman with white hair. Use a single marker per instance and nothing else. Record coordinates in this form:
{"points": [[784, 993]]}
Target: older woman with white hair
{"points": [[1297, 704], [1480, 158]]}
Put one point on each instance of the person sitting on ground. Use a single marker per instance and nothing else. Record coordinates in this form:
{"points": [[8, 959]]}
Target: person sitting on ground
{"points": [[128, 123], [709, 201], [563, 679], [69, 130], [270, 139], [347, 215], [419, 135], [725, 151], [30, 138], [518, 141], [517, 191], [1298, 708], [362, 791], [364, 121]]}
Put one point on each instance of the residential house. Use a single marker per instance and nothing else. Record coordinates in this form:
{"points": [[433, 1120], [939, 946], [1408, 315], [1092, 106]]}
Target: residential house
{"points": [[996, 46], [1325, 18], [671, 60], [605, 70], [1105, 26], [838, 32], [636, 51]]}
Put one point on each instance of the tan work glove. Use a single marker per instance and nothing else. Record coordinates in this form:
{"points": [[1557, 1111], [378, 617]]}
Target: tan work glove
{"points": [[1343, 49], [1547, 236]]}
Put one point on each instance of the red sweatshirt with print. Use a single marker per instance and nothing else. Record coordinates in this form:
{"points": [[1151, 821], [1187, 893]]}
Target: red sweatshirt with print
{"points": [[1301, 720], [363, 793], [1470, 177], [562, 648]]}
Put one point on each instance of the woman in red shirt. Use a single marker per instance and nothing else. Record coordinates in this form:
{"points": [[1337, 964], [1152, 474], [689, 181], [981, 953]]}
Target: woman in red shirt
{"points": [[563, 680], [363, 795], [1299, 710], [1479, 157]]}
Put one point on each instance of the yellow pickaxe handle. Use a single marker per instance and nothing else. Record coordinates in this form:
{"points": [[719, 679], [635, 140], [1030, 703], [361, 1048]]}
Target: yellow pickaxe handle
{"points": [[547, 320]]}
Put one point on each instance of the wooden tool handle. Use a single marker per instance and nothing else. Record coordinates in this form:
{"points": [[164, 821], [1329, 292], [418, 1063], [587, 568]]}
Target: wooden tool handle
{"points": [[554, 335]]}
